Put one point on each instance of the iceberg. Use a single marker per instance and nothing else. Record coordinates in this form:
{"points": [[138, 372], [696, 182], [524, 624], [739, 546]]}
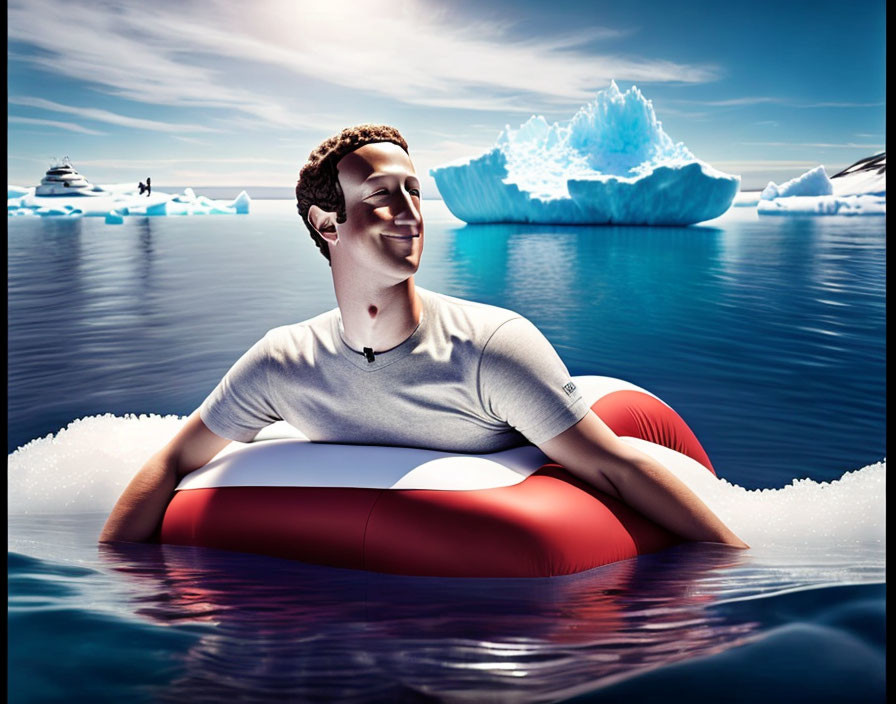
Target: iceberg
{"points": [[116, 201], [860, 189], [814, 182], [612, 163]]}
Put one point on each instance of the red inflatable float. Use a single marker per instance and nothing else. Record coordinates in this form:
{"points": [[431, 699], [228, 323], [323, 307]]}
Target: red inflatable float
{"points": [[418, 512]]}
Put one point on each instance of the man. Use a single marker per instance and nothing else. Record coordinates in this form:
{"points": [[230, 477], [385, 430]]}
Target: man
{"points": [[394, 364]]}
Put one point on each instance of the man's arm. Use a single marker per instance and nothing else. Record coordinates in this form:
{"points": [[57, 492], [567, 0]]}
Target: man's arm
{"points": [[592, 452], [140, 508]]}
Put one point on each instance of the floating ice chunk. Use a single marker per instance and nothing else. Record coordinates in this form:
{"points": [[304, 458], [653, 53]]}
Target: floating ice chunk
{"points": [[611, 163], [121, 200], [188, 196], [114, 218], [814, 182], [241, 203], [49, 210], [824, 205], [161, 208], [813, 193]]}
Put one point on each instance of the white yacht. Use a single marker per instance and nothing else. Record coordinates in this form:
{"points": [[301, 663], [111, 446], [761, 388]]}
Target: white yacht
{"points": [[62, 180]]}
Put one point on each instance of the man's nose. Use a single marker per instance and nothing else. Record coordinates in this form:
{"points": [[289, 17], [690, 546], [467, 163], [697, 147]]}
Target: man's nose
{"points": [[408, 212]]}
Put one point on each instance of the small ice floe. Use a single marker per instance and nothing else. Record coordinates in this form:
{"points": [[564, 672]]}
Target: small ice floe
{"points": [[824, 205], [116, 201], [813, 193]]}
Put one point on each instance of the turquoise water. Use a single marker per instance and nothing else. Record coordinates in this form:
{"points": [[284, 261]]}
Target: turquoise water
{"points": [[766, 334]]}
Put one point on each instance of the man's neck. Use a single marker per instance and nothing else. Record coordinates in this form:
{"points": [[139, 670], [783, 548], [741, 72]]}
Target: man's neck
{"points": [[378, 316]]}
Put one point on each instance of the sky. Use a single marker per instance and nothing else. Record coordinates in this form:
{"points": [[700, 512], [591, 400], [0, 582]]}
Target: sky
{"points": [[220, 93]]}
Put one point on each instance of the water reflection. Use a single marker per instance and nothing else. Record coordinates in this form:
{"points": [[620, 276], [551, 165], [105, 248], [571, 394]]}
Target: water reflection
{"points": [[145, 253], [304, 632]]}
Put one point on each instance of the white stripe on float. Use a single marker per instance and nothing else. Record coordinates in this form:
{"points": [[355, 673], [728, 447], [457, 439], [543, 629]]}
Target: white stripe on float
{"points": [[280, 455], [299, 463]]}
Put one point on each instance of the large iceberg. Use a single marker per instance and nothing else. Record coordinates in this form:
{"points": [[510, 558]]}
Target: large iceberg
{"points": [[115, 201], [860, 189], [611, 163]]}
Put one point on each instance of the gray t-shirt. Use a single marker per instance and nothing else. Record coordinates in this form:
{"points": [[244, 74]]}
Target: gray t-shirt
{"points": [[471, 378]]}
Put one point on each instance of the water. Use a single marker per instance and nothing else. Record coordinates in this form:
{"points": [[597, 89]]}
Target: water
{"points": [[766, 334]]}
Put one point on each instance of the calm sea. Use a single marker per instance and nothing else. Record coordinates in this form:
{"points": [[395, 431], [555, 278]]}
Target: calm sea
{"points": [[766, 334]]}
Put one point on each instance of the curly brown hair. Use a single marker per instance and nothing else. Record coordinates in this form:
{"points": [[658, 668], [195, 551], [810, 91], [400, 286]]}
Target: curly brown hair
{"points": [[318, 182]]}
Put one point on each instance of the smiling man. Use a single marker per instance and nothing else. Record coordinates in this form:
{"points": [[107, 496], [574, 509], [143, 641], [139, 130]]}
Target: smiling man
{"points": [[394, 364]]}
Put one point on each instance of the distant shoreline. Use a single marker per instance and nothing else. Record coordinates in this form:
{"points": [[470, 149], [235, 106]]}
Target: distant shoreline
{"points": [[231, 192], [275, 192]]}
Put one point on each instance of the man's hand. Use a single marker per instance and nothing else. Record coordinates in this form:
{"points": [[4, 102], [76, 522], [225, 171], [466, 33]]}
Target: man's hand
{"points": [[140, 508], [592, 452]]}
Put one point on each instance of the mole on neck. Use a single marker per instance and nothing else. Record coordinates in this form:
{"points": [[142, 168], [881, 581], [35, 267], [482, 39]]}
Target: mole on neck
{"points": [[372, 311]]}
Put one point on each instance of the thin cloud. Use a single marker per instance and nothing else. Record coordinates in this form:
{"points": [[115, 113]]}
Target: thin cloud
{"points": [[762, 166], [765, 163], [665, 111], [70, 126], [203, 54], [159, 163], [191, 140], [108, 117], [840, 105], [759, 100], [823, 145]]}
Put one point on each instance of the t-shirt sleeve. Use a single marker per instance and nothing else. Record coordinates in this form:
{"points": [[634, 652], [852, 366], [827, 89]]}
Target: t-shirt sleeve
{"points": [[241, 404], [523, 382]]}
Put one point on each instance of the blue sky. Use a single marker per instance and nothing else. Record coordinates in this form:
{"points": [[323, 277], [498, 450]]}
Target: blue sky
{"points": [[220, 93]]}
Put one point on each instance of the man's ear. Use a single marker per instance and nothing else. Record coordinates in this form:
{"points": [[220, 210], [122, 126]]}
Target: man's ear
{"points": [[324, 222]]}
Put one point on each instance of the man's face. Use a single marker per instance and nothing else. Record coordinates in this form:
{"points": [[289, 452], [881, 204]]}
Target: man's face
{"points": [[383, 230]]}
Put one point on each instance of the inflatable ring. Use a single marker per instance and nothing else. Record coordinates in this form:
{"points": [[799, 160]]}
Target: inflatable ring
{"points": [[409, 511]]}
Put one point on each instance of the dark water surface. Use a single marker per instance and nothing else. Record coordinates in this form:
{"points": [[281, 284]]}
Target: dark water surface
{"points": [[767, 336]]}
